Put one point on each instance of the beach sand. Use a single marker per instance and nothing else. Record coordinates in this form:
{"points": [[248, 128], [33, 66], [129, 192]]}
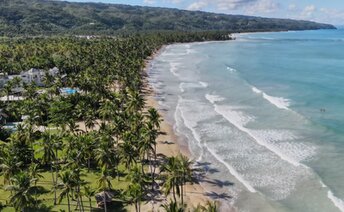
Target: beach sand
{"points": [[168, 145]]}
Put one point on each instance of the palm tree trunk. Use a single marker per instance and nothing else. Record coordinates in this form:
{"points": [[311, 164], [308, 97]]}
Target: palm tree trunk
{"points": [[174, 192], [56, 179], [88, 164], [154, 167], [181, 188], [78, 204], [89, 199], [68, 203], [82, 203], [184, 188], [142, 162], [54, 184], [104, 199]]}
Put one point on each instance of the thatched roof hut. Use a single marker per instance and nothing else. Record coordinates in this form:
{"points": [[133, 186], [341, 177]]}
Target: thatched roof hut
{"points": [[100, 198]]}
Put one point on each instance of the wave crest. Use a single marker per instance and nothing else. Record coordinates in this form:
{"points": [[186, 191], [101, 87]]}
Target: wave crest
{"points": [[279, 102]]}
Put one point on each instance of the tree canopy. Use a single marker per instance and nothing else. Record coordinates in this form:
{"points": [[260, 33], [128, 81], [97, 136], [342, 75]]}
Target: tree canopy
{"points": [[45, 17]]}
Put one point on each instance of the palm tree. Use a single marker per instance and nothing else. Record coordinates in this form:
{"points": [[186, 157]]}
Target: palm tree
{"points": [[128, 154], [148, 145], [34, 172], [105, 154], [135, 193], [179, 172], [22, 191], [7, 89], [9, 165], [172, 176], [67, 186], [88, 143], [104, 184], [211, 207], [89, 193], [173, 207], [186, 172], [78, 182], [106, 111], [50, 145]]}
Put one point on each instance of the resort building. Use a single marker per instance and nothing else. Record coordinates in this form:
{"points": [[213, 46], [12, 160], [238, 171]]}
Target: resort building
{"points": [[32, 75]]}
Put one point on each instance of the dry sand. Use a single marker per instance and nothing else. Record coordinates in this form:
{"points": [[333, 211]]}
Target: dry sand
{"points": [[168, 145]]}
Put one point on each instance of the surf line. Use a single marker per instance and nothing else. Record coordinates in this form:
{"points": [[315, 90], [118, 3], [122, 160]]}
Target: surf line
{"points": [[257, 139], [199, 143]]}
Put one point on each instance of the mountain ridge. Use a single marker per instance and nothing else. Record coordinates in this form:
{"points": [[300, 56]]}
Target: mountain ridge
{"points": [[48, 17]]}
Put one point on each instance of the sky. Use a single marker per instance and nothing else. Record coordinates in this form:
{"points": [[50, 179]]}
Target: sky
{"points": [[326, 11]]}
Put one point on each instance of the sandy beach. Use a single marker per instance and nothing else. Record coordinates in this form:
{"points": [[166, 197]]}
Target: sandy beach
{"points": [[168, 144]]}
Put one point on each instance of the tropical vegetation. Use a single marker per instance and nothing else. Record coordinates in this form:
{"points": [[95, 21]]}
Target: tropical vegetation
{"points": [[47, 17], [97, 143]]}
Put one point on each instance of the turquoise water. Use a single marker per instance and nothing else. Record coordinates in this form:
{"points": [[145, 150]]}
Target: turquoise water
{"points": [[68, 91], [263, 116]]}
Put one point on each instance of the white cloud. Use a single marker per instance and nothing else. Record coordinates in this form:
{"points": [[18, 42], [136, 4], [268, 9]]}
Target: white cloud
{"points": [[197, 5], [232, 4], [175, 1], [335, 16], [149, 1], [308, 11], [250, 6], [270, 8], [263, 6]]}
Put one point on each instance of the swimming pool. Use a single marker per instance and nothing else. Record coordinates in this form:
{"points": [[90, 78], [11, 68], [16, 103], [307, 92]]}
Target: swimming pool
{"points": [[68, 91]]}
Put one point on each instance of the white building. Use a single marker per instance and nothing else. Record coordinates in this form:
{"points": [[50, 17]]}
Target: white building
{"points": [[32, 75]]}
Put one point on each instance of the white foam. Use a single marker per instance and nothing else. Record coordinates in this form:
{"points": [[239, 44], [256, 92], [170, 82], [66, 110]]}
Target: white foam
{"points": [[181, 87], [191, 125], [203, 84], [323, 184], [239, 120], [232, 171], [236, 117], [297, 151], [256, 90], [184, 85], [190, 51], [232, 70], [214, 98], [279, 102], [163, 104], [336, 201], [174, 69]]}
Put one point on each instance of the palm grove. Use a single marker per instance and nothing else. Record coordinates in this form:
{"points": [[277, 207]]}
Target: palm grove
{"points": [[99, 142]]}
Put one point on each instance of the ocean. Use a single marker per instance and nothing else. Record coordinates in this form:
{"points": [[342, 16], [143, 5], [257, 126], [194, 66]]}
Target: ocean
{"points": [[263, 116]]}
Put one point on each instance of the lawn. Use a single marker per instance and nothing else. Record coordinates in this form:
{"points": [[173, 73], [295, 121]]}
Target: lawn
{"points": [[47, 196]]}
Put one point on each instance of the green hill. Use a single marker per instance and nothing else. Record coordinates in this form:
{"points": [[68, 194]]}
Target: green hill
{"points": [[44, 17]]}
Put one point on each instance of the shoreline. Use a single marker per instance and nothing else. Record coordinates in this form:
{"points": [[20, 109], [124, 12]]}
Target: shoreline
{"points": [[169, 143], [172, 144]]}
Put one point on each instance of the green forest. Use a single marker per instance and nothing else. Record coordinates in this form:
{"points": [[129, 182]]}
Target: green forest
{"points": [[44, 17], [103, 138], [94, 148]]}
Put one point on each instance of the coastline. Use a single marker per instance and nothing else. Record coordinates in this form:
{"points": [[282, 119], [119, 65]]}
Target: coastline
{"points": [[169, 144]]}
